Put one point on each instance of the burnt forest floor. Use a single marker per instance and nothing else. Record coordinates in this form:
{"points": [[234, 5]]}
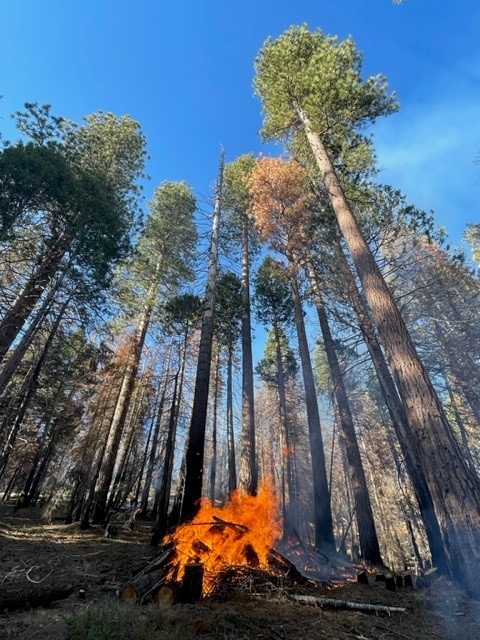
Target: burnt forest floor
{"points": [[40, 556]]}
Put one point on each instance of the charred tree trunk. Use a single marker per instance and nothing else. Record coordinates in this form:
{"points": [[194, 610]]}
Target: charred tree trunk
{"points": [[163, 499], [196, 437], [287, 493]]}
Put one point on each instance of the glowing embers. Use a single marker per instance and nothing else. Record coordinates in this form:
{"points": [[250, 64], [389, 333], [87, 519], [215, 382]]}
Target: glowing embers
{"points": [[242, 532]]}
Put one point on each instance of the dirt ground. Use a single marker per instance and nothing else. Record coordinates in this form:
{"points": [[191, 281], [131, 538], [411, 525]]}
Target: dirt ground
{"points": [[39, 555]]}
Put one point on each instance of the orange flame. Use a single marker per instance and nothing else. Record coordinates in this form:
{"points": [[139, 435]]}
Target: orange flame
{"points": [[241, 532]]}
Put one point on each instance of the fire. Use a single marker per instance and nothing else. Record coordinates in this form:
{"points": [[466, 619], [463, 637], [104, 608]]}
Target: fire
{"points": [[241, 532]]}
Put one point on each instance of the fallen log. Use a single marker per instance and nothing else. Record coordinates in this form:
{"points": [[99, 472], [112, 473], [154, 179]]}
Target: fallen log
{"points": [[346, 604], [31, 595]]}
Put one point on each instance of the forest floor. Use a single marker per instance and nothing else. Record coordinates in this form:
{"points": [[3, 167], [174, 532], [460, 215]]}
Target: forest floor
{"points": [[40, 555]]}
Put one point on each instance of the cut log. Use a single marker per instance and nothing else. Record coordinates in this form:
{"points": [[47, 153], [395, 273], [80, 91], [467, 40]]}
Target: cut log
{"points": [[143, 588], [346, 604], [29, 595], [164, 596]]}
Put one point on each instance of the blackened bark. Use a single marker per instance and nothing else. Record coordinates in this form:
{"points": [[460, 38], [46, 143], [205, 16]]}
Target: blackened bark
{"points": [[196, 437]]}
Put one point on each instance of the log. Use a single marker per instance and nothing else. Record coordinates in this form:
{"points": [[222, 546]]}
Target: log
{"points": [[143, 586], [29, 595], [346, 604], [279, 562], [190, 590]]}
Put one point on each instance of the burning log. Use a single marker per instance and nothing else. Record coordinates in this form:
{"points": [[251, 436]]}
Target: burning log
{"points": [[346, 604]]}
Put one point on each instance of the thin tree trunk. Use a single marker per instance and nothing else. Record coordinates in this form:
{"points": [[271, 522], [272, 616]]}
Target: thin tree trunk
{"points": [[324, 537], [121, 409], [248, 472], [213, 463], [196, 437], [124, 451], [30, 388], [453, 488], [232, 471], [370, 549], [163, 499], [15, 358], [289, 508]]}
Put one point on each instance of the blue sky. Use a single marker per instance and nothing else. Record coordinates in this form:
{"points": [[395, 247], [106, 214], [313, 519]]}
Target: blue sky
{"points": [[184, 70]]}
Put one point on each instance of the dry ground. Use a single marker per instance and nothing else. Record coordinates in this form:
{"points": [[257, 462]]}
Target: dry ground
{"points": [[33, 552]]}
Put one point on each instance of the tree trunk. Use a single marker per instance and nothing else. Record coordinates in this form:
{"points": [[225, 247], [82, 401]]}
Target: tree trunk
{"points": [[123, 403], [453, 489], [213, 463], [398, 415], [232, 471], [370, 549], [15, 358], [30, 388], [163, 500], [324, 538], [196, 437], [32, 291], [248, 472], [289, 508]]}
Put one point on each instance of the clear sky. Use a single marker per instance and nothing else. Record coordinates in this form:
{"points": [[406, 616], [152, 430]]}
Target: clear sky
{"points": [[184, 70]]}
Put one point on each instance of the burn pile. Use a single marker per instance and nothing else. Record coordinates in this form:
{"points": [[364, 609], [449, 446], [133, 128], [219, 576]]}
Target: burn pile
{"points": [[221, 550]]}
